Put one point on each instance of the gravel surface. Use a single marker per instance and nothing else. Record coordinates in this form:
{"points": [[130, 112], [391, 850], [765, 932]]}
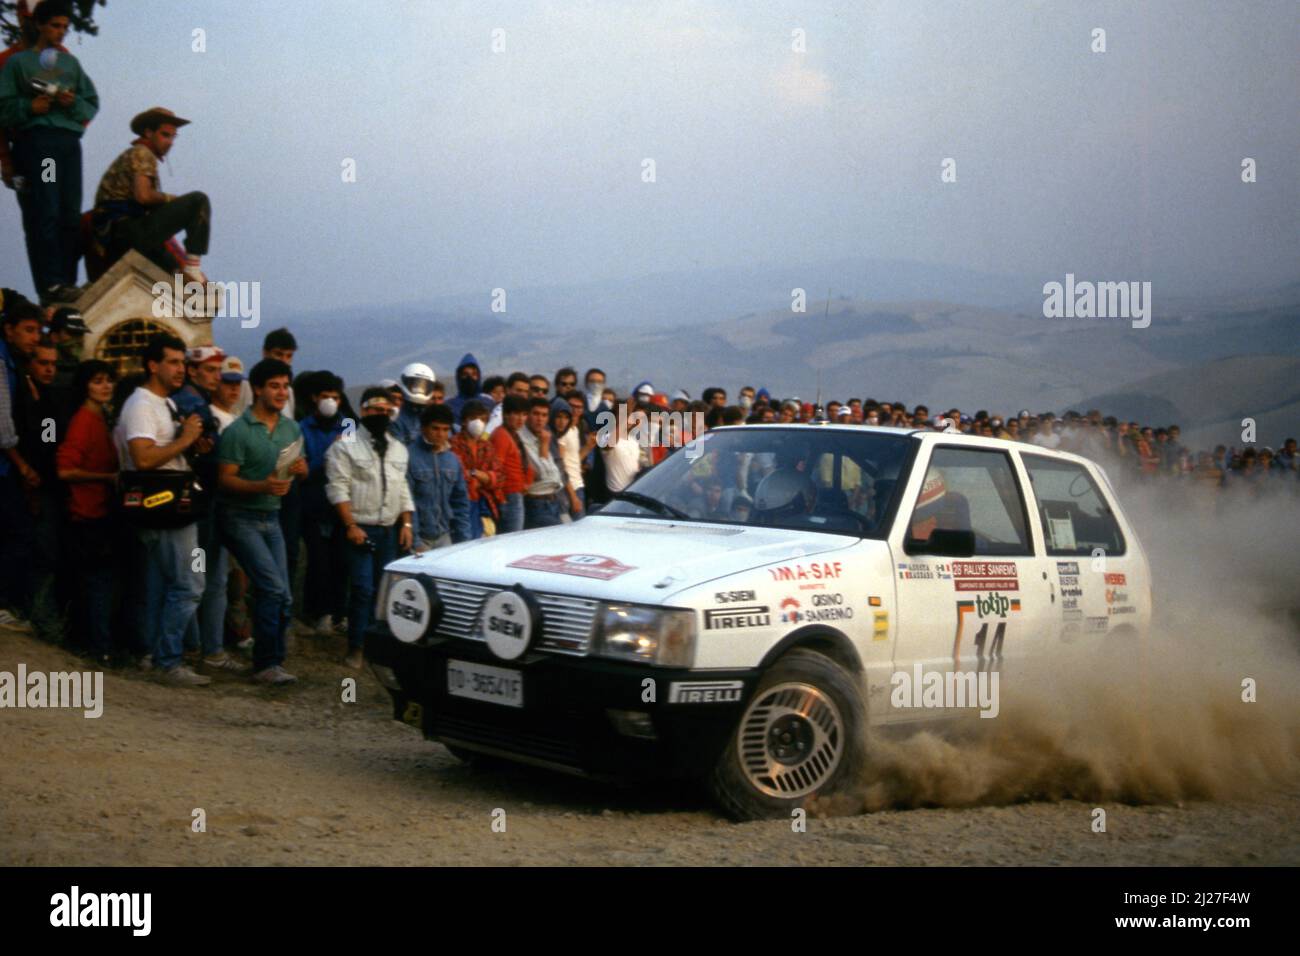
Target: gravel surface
{"points": [[296, 776]]}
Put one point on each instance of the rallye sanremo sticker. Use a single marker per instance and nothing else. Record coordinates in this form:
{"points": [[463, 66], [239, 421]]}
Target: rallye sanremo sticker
{"points": [[581, 565]]}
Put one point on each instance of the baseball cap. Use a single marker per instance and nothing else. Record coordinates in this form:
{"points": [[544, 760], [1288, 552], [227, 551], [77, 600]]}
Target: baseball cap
{"points": [[202, 354], [645, 388], [232, 369], [68, 319]]}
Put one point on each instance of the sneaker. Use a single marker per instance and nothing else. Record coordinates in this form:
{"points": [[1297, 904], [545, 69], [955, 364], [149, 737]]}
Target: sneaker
{"points": [[355, 659], [60, 294], [182, 676], [11, 620], [245, 645], [275, 676], [145, 663], [341, 627], [223, 665], [192, 657], [324, 625]]}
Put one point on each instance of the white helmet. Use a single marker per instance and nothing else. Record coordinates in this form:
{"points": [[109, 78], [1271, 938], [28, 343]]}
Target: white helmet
{"points": [[416, 383], [786, 491]]}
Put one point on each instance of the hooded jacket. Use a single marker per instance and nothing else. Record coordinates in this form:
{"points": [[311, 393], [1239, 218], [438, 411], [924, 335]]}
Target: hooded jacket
{"points": [[475, 391]]}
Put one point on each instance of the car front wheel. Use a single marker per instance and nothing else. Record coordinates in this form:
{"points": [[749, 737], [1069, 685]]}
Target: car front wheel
{"points": [[800, 737]]}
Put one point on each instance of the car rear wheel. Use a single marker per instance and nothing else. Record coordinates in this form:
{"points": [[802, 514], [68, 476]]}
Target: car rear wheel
{"points": [[800, 737]]}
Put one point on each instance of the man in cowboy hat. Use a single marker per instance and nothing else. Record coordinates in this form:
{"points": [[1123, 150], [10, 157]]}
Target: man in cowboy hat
{"points": [[46, 101], [132, 211]]}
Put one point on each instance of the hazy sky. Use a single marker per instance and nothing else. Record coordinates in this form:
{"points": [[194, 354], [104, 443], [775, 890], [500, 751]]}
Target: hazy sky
{"points": [[477, 169]]}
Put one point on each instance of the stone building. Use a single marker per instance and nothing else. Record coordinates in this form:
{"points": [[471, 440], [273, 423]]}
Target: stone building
{"points": [[122, 312]]}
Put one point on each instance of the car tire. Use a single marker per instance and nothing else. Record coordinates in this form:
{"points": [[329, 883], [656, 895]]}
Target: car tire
{"points": [[802, 735]]}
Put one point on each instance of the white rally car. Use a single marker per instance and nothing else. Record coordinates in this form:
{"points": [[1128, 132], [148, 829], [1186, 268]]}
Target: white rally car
{"points": [[738, 615]]}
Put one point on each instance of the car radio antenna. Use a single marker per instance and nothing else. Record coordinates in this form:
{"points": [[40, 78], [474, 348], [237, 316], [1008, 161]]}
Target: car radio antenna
{"points": [[825, 315]]}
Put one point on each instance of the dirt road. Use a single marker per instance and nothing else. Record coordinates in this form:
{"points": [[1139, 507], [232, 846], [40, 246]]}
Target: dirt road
{"points": [[296, 776]]}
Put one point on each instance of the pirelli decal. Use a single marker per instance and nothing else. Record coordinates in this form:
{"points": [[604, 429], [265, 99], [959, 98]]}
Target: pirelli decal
{"points": [[704, 691], [737, 617]]}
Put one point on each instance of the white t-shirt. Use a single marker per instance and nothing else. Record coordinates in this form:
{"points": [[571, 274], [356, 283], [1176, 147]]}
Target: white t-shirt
{"points": [[569, 448], [145, 415], [223, 417], [622, 462]]}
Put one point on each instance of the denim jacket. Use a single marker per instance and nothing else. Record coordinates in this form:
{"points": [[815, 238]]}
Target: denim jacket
{"points": [[438, 487]]}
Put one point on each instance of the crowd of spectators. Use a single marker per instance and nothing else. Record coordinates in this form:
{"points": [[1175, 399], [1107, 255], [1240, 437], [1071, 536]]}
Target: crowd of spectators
{"points": [[273, 493]]}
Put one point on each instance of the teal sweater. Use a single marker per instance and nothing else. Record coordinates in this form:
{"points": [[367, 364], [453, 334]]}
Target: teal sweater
{"points": [[16, 96]]}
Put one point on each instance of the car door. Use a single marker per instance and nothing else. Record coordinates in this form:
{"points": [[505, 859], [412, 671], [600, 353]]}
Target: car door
{"points": [[967, 613], [1089, 557]]}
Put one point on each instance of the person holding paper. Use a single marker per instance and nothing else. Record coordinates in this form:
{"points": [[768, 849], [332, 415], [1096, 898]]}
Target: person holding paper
{"points": [[258, 458]]}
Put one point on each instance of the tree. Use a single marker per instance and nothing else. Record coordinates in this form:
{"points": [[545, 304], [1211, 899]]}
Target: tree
{"points": [[82, 19]]}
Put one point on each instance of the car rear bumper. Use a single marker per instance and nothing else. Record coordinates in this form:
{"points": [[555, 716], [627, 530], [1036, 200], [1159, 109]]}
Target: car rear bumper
{"points": [[582, 715]]}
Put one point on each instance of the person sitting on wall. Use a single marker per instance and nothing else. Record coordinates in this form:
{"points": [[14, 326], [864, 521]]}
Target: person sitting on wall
{"points": [[132, 211]]}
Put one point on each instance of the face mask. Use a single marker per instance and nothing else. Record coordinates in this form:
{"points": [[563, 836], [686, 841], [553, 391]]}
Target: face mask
{"points": [[476, 427], [375, 424], [328, 407], [746, 402], [594, 389], [393, 413]]}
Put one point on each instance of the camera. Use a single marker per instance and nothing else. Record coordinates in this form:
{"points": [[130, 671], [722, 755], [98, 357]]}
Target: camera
{"points": [[41, 87]]}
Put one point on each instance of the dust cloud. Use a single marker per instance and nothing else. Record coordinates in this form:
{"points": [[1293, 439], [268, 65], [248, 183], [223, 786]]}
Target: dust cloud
{"points": [[1159, 721]]}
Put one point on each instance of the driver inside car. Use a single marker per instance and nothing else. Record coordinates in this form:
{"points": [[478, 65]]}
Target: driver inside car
{"points": [[785, 496], [938, 508]]}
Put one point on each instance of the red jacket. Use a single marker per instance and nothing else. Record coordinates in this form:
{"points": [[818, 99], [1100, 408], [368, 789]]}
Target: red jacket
{"points": [[88, 447], [516, 472], [478, 455]]}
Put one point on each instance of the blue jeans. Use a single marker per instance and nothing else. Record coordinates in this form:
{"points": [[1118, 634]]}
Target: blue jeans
{"points": [[52, 208], [364, 570], [256, 541], [477, 509], [17, 541], [172, 591], [545, 512], [91, 551], [512, 514], [209, 628]]}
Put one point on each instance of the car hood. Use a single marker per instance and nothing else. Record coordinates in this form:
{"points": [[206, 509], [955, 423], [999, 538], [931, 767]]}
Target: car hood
{"points": [[612, 557]]}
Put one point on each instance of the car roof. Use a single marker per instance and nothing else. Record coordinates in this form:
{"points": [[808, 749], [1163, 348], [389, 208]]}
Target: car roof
{"points": [[931, 436], [829, 426]]}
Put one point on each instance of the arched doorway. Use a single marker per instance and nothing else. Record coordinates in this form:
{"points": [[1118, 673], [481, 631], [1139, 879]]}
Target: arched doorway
{"points": [[123, 344]]}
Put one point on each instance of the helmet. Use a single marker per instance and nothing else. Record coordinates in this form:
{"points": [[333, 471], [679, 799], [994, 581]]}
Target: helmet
{"points": [[932, 493], [785, 491], [416, 383]]}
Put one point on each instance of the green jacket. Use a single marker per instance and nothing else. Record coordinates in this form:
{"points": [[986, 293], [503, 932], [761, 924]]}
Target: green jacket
{"points": [[16, 95]]}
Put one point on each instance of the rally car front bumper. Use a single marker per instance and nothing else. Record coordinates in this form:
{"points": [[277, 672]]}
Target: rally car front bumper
{"points": [[585, 715]]}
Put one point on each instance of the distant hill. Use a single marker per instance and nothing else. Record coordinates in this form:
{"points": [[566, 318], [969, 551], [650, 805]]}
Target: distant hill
{"points": [[1202, 363], [1211, 399]]}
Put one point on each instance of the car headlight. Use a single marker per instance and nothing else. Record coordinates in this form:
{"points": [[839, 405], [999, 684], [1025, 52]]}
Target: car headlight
{"points": [[664, 637]]}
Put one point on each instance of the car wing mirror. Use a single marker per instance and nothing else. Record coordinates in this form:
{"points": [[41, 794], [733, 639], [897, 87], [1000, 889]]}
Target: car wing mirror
{"points": [[943, 543]]}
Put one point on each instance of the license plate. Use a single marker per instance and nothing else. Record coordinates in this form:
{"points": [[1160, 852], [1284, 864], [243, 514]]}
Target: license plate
{"points": [[495, 685]]}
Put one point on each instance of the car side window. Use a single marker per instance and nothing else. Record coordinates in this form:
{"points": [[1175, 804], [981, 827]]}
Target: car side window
{"points": [[1077, 520], [972, 489]]}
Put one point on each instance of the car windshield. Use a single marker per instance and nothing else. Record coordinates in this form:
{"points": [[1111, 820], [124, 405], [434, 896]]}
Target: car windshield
{"points": [[802, 478]]}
